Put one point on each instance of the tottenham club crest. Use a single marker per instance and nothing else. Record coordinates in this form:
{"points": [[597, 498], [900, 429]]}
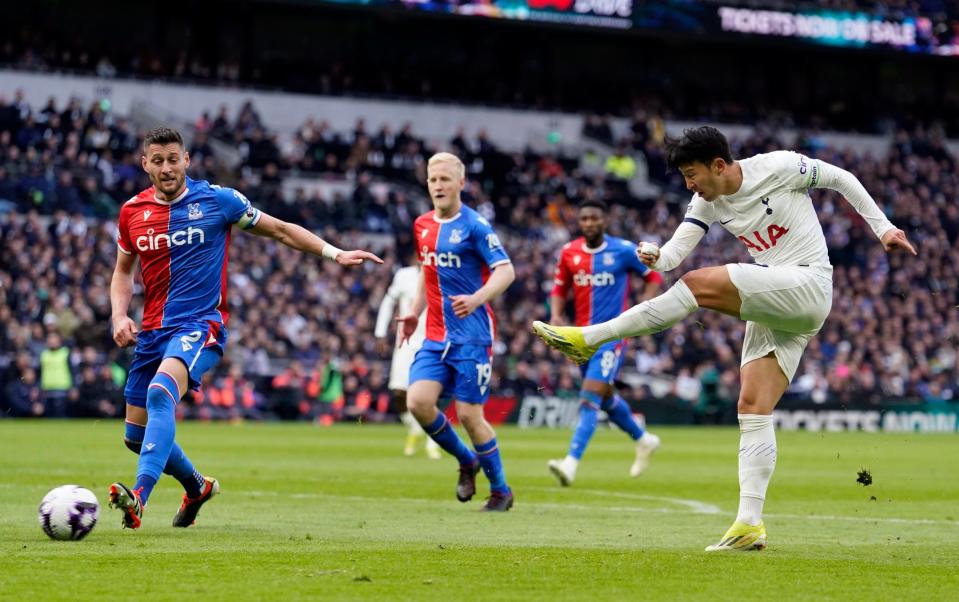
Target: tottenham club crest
{"points": [[456, 236], [193, 211]]}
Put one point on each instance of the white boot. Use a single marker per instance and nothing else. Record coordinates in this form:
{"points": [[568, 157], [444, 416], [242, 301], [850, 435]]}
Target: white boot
{"points": [[645, 446], [433, 451], [564, 470]]}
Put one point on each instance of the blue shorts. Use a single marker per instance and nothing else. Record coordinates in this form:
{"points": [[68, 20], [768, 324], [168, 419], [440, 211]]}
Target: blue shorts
{"points": [[199, 345], [606, 363], [464, 371]]}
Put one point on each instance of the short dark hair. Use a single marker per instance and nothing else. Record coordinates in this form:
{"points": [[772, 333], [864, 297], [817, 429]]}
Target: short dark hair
{"points": [[162, 135], [597, 203], [702, 144]]}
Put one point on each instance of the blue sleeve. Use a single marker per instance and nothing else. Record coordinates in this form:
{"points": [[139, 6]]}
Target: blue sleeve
{"points": [[487, 244], [633, 263], [236, 208]]}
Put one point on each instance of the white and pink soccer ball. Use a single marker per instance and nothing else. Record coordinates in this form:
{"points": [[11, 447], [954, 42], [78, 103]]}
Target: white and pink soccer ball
{"points": [[69, 512]]}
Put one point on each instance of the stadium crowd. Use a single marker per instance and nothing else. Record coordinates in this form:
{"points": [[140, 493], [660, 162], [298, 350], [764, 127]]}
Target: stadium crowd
{"points": [[301, 343], [551, 74]]}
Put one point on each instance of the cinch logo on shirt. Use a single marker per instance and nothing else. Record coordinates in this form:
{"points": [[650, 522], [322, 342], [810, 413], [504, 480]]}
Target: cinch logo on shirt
{"points": [[152, 242], [443, 260], [599, 279]]}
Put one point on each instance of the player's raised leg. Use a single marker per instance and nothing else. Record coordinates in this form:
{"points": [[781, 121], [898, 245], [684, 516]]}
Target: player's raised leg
{"points": [[709, 288], [763, 384]]}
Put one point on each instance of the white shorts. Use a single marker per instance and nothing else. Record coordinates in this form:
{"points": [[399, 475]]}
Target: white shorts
{"points": [[784, 307], [400, 367]]}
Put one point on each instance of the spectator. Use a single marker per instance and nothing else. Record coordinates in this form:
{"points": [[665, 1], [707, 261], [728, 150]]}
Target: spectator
{"points": [[55, 376], [24, 397]]}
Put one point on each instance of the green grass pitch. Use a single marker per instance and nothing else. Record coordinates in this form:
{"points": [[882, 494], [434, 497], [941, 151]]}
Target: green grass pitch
{"points": [[339, 513]]}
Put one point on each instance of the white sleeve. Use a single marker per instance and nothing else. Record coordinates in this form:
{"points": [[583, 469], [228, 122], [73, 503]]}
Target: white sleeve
{"points": [[684, 240], [848, 185], [385, 314], [795, 171]]}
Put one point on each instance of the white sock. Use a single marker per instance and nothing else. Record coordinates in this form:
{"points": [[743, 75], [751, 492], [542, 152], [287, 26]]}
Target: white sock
{"points": [[411, 423], [654, 315], [570, 464], [757, 460]]}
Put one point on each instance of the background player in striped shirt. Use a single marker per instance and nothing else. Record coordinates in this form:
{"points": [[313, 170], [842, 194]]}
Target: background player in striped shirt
{"points": [[464, 267], [597, 268], [180, 228], [398, 300]]}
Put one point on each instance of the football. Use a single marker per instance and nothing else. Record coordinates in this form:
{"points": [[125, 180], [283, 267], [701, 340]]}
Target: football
{"points": [[69, 512]]}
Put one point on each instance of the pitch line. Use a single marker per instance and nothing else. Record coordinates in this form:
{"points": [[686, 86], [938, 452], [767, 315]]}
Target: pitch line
{"points": [[688, 506]]}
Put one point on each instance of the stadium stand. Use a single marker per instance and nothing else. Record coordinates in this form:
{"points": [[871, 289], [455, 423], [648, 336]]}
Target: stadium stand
{"points": [[65, 168]]}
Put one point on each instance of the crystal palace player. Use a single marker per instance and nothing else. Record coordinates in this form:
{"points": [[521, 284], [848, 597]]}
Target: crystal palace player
{"points": [[784, 297], [597, 268], [180, 229], [464, 267]]}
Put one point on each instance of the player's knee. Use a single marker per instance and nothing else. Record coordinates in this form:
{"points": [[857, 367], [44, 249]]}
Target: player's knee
{"points": [[470, 422], [749, 404], [417, 404], [162, 395], [698, 282]]}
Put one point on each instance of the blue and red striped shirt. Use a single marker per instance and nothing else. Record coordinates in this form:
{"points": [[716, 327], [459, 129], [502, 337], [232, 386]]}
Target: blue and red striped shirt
{"points": [[183, 246], [599, 278], [457, 255]]}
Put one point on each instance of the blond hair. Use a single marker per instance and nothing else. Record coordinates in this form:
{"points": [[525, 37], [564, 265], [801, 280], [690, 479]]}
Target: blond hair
{"points": [[448, 158]]}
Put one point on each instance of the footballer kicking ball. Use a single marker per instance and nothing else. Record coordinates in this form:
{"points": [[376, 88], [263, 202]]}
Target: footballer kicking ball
{"points": [[69, 512]]}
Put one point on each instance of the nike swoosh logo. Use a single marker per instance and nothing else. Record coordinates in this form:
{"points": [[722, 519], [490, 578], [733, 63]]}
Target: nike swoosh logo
{"points": [[726, 222]]}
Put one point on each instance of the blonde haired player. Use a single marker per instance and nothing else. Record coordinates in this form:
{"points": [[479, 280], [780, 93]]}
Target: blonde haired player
{"points": [[398, 299], [464, 266], [784, 296]]}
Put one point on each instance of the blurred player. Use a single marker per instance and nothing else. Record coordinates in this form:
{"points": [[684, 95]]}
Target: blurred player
{"points": [[180, 230], [784, 297], [597, 268], [399, 298], [464, 267]]}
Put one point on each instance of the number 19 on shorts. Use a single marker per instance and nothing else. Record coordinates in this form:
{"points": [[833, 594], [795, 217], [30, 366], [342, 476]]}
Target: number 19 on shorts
{"points": [[484, 374]]}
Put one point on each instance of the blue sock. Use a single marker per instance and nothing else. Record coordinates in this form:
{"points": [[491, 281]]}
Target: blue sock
{"points": [[441, 431], [586, 426], [180, 468], [620, 415], [159, 433], [178, 465], [488, 454]]}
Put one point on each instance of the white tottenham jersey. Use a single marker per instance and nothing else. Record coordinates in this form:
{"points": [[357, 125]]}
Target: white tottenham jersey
{"points": [[771, 213], [402, 291]]}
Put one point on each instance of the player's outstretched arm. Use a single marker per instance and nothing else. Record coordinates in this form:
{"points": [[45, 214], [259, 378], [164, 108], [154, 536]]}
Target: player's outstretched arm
{"points": [[849, 186], [121, 292], [502, 276], [299, 238]]}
